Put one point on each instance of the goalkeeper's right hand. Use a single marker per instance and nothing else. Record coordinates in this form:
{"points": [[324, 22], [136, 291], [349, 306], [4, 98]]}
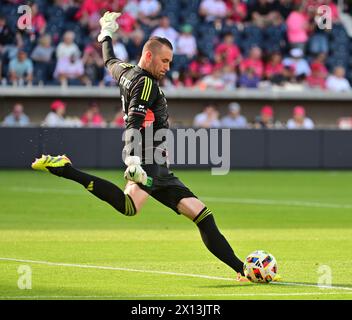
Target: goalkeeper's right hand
{"points": [[108, 24], [134, 171]]}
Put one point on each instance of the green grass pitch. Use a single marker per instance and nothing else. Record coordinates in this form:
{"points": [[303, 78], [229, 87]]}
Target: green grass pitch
{"points": [[78, 247]]}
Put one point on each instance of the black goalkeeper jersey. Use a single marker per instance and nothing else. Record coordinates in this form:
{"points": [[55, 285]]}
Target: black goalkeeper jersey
{"points": [[143, 102]]}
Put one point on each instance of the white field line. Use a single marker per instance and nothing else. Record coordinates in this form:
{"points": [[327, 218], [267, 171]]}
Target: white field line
{"points": [[59, 264], [177, 295], [289, 203], [164, 273]]}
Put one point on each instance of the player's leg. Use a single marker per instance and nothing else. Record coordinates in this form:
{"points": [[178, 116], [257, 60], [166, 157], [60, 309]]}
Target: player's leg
{"points": [[216, 243], [127, 204]]}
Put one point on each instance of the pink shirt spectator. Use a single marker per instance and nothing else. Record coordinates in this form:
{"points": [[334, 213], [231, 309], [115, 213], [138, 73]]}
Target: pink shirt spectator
{"points": [[237, 10], [126, 22], [94, 120], [297, 24], [273, 68], [256, 65], [230, 51], [201, 68], [38, 23]]}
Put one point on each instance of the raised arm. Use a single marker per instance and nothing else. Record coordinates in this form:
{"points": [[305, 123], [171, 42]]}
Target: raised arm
{"points": [[108, 27]]}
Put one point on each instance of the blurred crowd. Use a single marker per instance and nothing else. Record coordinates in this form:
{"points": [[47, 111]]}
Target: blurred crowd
{"points": [[57, 117], [219, 44], [209, 118]]}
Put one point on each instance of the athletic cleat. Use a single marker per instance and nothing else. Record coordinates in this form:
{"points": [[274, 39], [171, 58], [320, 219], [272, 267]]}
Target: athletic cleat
{"points": [[46, 161]]}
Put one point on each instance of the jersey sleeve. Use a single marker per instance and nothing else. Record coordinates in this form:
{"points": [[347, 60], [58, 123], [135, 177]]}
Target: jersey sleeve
{"points": [[115, 66], [143, 96]]}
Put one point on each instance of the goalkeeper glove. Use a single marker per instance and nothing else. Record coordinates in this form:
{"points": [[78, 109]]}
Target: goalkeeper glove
{"points": [[108, 25], [134, 171]]}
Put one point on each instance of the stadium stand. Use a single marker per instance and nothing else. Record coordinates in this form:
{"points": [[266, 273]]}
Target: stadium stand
{"points": [[241, 19]]}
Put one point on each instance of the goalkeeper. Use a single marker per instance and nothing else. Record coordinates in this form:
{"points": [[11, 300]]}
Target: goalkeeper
{"points": [[144, 103]]}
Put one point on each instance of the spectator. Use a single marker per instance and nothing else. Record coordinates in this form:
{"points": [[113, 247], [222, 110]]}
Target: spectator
{"points": [[17, 118], [21, 69], [212, 9], [213, 81], [317, 78], [165, 30], [149, 11], [209, 118], [43, 52], [318, 41], [93, 66], [11, 50], [90, 7], [6, 35], [299, 120], [38, 20], [319, 61], [132, 8], [274, 69], [42, 58], [266, 118], [229, 77], [253, 61], [337, 81], [237, 10], [70, 71], [135, 45], [298, 63], [127, 23], [297, 28], [259, 12], [118, 120], [248, 79], [186, 43], [67, 47], [201, 66], [234, 119], [182, 78], [92, 117], [56, 117], [227, 51]]}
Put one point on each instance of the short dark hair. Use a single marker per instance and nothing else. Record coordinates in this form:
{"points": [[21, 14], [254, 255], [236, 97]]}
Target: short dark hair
{"points": [[156, 42]]}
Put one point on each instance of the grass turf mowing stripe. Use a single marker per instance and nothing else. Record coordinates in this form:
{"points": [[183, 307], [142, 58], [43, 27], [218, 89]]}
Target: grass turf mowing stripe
{"points": [[60, 264], [289, 203]]}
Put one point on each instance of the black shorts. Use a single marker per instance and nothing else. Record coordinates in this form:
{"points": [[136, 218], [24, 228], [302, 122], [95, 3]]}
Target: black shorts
{"points": [[166, 188]]}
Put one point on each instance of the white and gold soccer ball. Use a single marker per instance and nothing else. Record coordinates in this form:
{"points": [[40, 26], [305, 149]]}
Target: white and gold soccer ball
{"points": [[260, 266]]}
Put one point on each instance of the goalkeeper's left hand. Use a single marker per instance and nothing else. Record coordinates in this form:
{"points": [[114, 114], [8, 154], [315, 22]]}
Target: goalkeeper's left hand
{"points": [[134, 171], [108, 25]]}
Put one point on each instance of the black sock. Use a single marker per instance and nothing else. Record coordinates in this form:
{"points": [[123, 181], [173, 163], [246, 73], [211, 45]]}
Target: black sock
{"points": [[101, 188], [215, 241]]}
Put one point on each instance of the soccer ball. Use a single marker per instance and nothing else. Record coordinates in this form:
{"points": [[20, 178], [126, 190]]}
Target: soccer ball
{"points": [[260, 266]]}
